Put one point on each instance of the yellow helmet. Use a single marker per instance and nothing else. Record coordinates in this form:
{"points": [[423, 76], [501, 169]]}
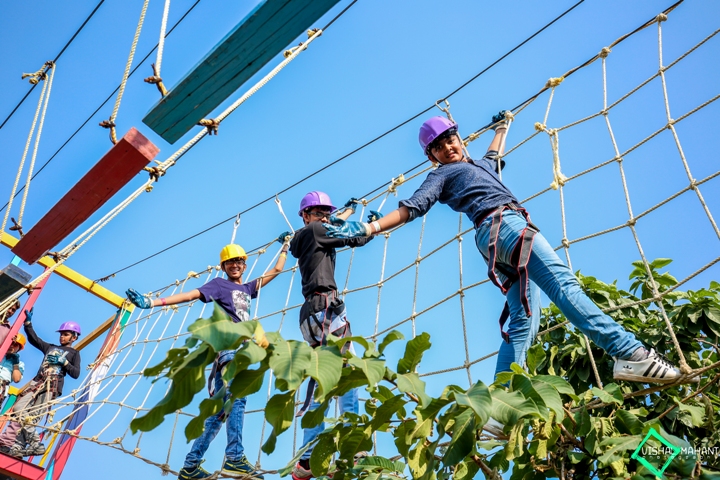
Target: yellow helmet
{"points": [[232, 251], [20, 340]]}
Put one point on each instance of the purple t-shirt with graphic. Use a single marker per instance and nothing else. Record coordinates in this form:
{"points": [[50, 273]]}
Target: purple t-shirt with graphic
{"points": [[232, 297]]}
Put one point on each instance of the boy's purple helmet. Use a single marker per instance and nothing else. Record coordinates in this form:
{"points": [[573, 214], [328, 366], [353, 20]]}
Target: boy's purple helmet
{"points": [[69, 327], [432, 129], [315, 199]]}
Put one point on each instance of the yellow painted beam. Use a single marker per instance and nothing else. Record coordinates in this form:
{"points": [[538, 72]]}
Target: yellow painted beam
{"points": [[72, 276]]}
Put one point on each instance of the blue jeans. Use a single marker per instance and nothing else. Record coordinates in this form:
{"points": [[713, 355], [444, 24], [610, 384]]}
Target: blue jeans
{"points": [[549, 274], [234, 423], [348, 403]]}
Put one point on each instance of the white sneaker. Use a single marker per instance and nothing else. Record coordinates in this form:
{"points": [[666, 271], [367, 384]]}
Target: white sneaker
{"points": [[654, 369], [495, 428]]}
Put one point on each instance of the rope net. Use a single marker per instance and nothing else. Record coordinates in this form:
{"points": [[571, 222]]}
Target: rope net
{"points": [[440, 286]]}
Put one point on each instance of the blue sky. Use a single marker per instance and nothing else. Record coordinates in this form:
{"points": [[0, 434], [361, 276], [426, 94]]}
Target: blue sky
{"points": [[378, 65]]}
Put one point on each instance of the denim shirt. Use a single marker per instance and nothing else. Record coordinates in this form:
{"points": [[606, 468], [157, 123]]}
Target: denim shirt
{"points": [[472, 188]]}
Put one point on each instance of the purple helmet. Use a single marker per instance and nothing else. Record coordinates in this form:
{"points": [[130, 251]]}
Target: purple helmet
{"points": [[432, 129], [69, 327], [315, 199]]}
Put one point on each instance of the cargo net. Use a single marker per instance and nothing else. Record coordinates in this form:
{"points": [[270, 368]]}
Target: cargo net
{"points": [[425, 277]]}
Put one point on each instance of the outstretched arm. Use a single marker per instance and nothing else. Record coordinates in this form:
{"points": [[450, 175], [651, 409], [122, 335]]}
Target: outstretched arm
{"points": [[177, 298], [362, 229], [279, 266], [142, 301]]}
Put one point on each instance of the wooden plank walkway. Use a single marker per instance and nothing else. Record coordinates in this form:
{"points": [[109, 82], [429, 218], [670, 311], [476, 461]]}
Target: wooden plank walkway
{"points": [[119, 165], [265, 32]]}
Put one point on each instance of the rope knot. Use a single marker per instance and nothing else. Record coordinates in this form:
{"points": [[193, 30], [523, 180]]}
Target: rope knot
{"points": [[471, 138], [554, 82], [539, 126], [16, 227], [288, 53], [156, 79], [193, 274], [693, 184], [111, 125], [37, 77], [165, 469], [396, 182], [565, 243], [661, 17], [313, 31], [604, 52], [211, 124], [632, 222]]}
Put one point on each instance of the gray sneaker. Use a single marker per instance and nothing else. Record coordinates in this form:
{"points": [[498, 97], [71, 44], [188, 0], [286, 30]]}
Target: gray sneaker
{"points": [[654, 369]]}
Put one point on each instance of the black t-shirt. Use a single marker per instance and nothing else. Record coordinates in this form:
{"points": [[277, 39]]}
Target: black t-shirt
{"points": [[315, 252], [72, 355]]}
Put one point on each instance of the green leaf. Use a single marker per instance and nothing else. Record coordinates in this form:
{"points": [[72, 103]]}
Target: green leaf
{"points": [[659, 263], [559, 384], [466, 470], [524, 385], [208, 408], [411, 383], [463, 438], [322, 453], [220, 332], [248, 382], [693, 416], [478, 398], [173, 357], [385, 412], [373, 368], [389, 338], [615, 447], [414, 351], [249, 354], [628, 423], [549, 395], [510, 407], [325, 367], [313, 418], [357, 440], [535, 356], [279, 413], [289, 361], [426, 417], [339, 342], [610, 394], [185, 383]]}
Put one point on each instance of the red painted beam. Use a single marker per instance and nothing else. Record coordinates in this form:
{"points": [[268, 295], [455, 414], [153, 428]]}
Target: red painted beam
{"points": [[119, 165], [20, 469]]}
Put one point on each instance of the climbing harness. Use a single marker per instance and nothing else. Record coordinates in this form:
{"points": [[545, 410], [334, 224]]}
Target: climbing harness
{"points": [[518, 260]]}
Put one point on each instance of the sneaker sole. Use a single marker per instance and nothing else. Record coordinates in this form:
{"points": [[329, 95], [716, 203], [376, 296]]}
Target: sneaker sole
{"points": [[231, 473], [641, 379]]}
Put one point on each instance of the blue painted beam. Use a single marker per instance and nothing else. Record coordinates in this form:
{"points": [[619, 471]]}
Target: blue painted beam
{"points": [[265, 32]]}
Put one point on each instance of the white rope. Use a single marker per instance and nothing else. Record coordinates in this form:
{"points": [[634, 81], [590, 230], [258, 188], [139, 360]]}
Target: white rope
{"points": [[280, 209]]}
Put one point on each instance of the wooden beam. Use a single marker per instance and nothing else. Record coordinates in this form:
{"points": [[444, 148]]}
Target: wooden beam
{"points": [[114, 170], [72, 276], [259, 37], [85, 340]]}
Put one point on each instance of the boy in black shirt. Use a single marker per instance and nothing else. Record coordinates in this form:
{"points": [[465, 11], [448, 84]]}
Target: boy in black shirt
{"points": [[323, 311], [60, 360]]}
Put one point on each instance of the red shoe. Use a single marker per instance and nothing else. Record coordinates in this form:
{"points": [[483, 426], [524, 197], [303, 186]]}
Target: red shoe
{"points": [[300, 473]]}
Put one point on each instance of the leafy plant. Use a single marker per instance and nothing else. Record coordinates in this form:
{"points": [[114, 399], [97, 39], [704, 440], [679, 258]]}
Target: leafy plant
{"points": [[558, 420]]}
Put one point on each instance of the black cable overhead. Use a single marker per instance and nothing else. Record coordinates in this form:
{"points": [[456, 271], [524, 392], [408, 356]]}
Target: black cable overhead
{"points": [[334, 162], [55, 61]]}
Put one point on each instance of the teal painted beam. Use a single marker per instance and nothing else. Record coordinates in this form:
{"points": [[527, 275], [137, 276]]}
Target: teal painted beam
{"points": [[260, 36]]}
